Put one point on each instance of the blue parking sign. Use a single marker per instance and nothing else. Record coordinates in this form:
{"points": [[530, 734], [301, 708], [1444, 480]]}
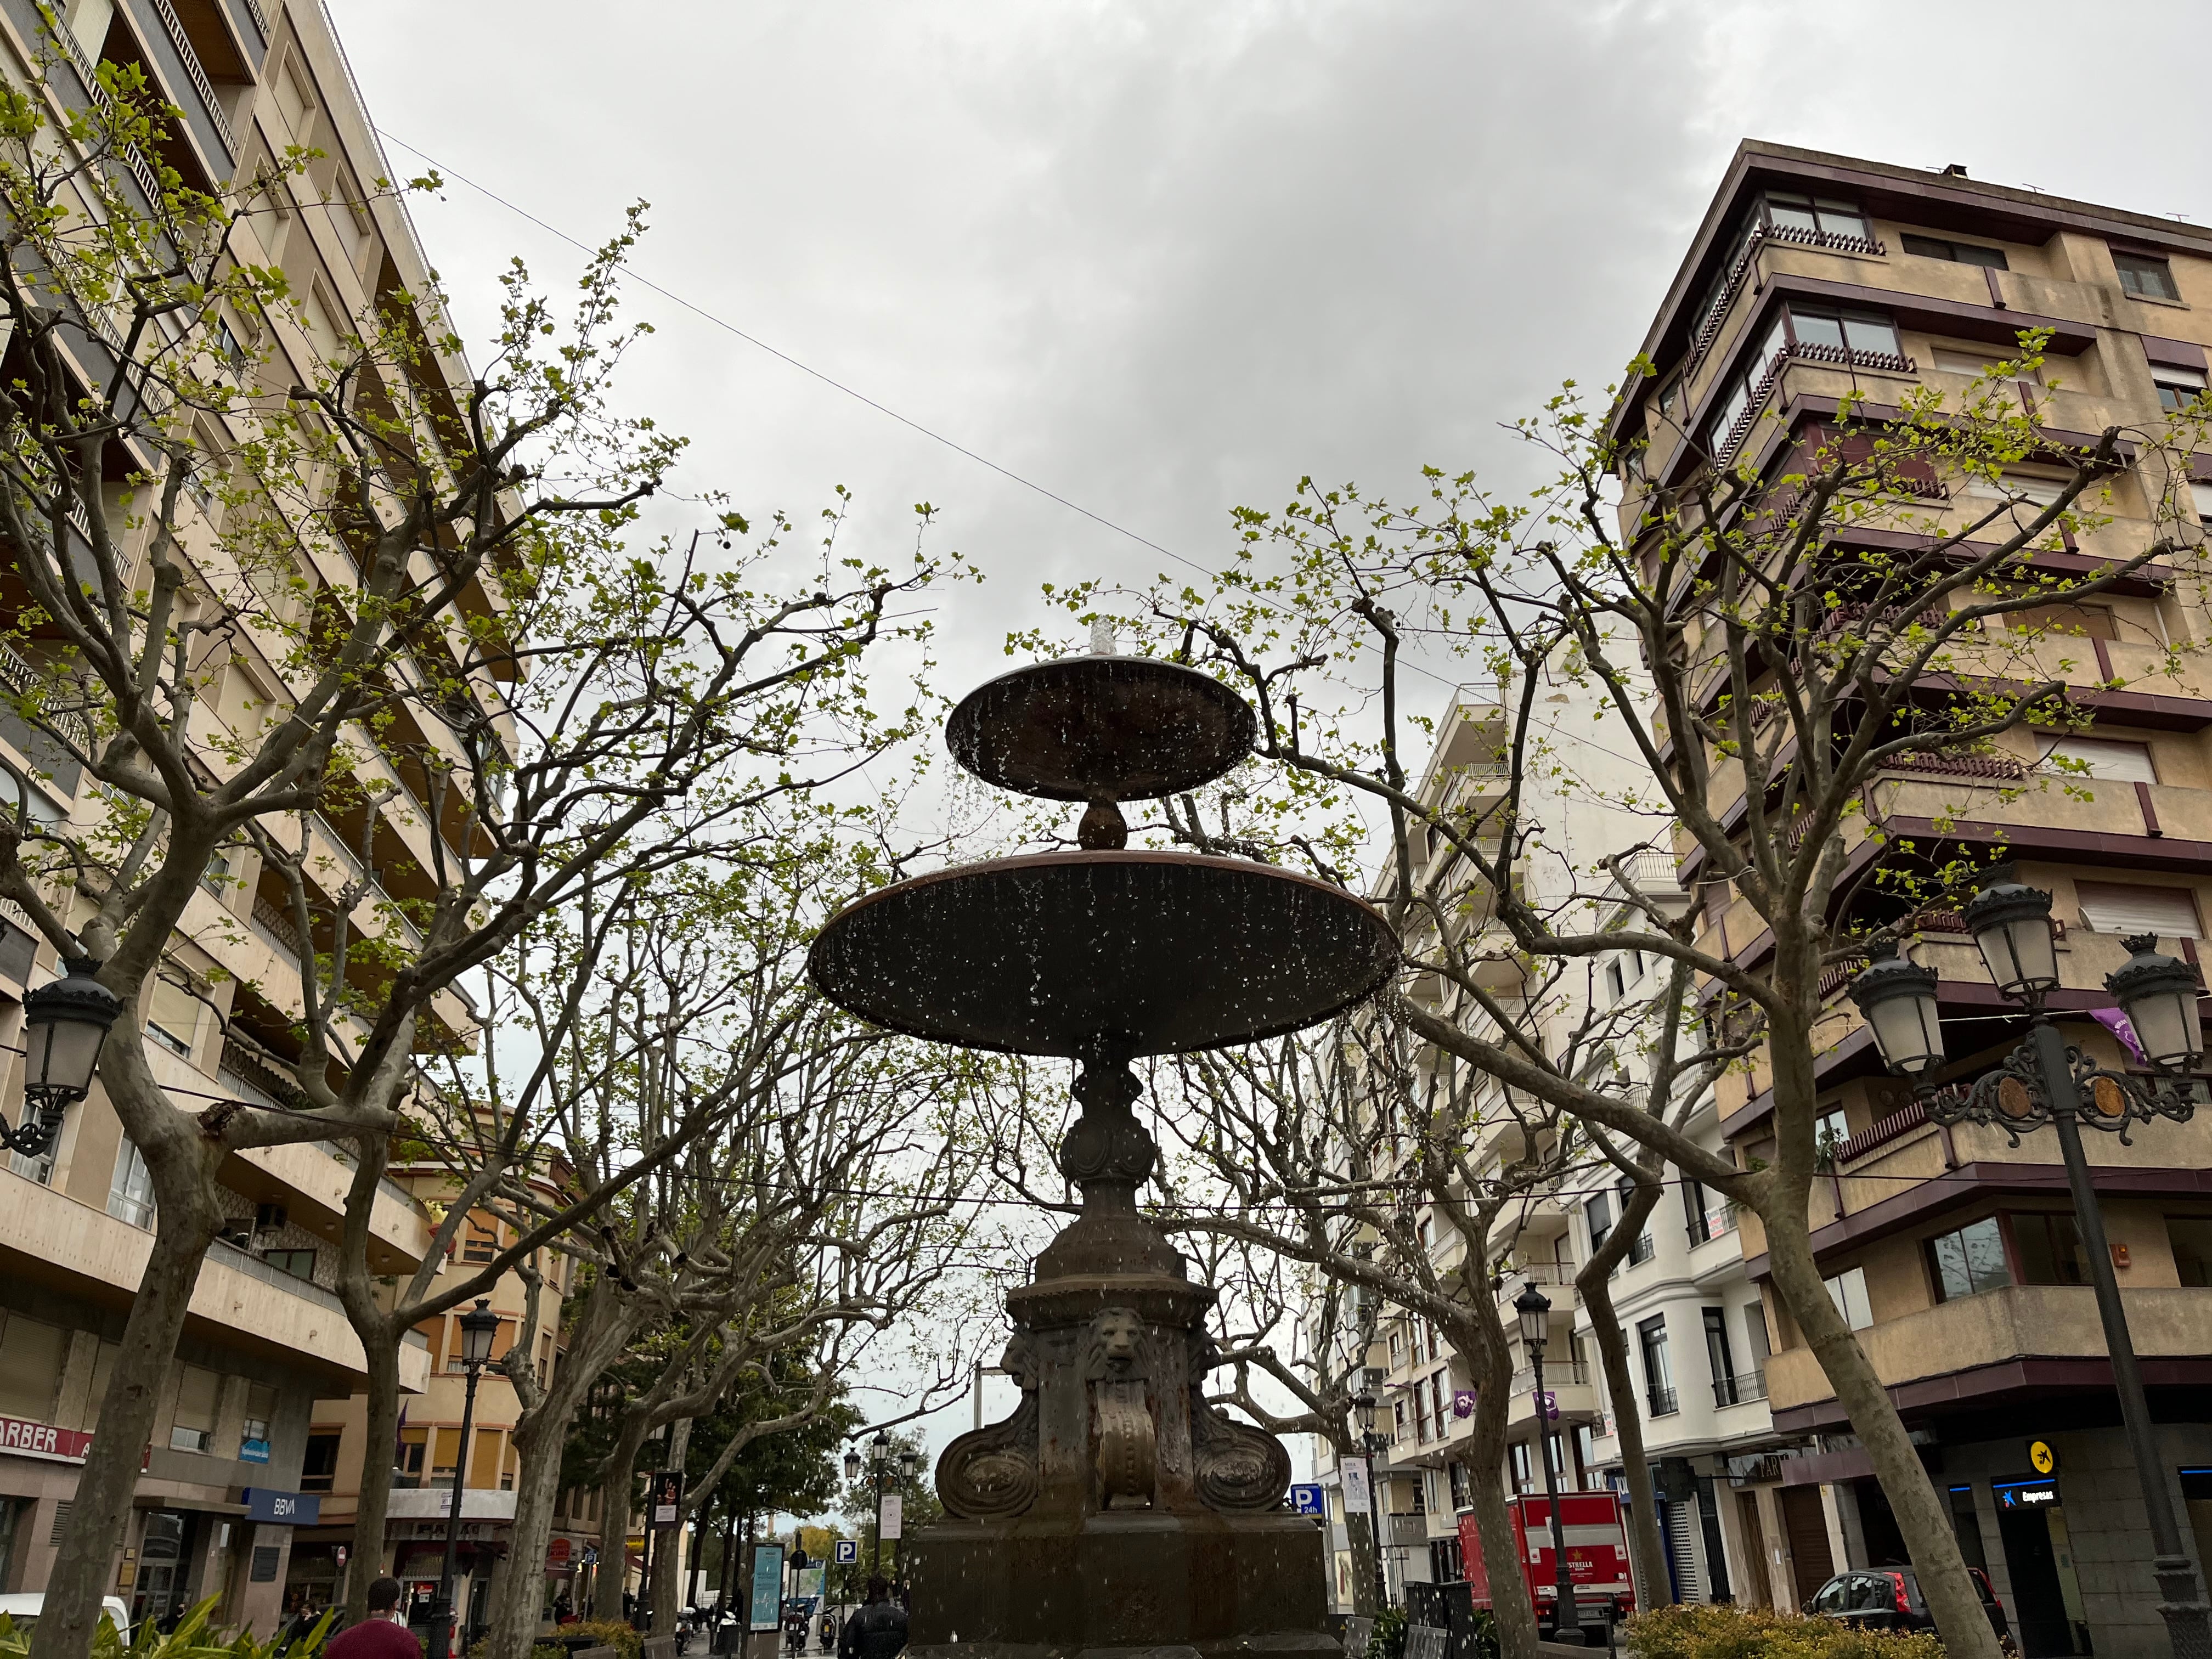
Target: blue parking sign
{"points": [[848, 1551], [1307, 1499]]}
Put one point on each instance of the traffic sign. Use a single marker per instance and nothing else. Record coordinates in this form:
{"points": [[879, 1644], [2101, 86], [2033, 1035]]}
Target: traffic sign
{"points": [[1308, 1500], [848, 1552]]}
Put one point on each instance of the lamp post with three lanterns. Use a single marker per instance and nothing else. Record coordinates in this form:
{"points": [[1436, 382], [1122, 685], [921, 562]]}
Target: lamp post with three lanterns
{"points": [[1370, 1443], [2044, 1081], [879, 1462]]}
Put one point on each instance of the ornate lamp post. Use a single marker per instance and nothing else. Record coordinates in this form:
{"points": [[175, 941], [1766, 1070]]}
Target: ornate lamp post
{"points": [[1534, 1309], [2045, 1081], [478, 1326], [879, 1460], [65, 1021], [1370, 1443]]}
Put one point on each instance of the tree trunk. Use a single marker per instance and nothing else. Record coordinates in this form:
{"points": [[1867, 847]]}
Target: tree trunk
{"points": [[667, 1580], [1359, 1534], [381, 1437], [1654, 1585], [185, 1225], [1482, 1345], [538, 1489], [614, 1515], [1921, 1516]]}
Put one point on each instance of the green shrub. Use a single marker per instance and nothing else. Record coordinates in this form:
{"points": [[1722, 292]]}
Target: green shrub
{"points": [[608, 1633], [191, 1639], [1388, 1639], [1730, 1632]]}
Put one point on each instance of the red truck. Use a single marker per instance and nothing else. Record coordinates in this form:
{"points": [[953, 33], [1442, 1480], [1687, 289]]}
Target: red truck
{"points": [[1597, 1554]]}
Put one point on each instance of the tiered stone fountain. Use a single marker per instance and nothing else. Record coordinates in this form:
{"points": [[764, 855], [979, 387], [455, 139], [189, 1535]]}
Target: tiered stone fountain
{"points": [[1115, 1510]]}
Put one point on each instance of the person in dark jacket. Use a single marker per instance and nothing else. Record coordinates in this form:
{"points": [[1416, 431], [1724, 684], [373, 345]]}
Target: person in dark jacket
{"points": [[878, 1630]]}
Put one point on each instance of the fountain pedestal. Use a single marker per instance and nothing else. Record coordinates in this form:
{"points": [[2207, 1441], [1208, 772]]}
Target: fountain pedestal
{"points": [[1114, 1513], [1115, 1510]]}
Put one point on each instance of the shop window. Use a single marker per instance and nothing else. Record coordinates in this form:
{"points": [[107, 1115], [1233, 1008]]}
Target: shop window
{"points": [[1969, 1260]]}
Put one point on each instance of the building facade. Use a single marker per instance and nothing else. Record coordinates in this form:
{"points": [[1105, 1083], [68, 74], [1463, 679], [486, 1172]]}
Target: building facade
{"points": [[1812, 278], [242, 1458]]}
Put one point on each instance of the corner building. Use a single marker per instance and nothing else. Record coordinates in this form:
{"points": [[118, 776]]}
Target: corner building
{"points": [[1953, 1254], [242, 1458]]}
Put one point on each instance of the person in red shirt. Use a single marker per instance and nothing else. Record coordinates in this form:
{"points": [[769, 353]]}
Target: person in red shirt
{"points": [[380, 1636]]}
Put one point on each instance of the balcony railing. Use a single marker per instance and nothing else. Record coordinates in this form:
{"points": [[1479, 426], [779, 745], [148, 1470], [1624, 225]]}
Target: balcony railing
{"points": [[1717, 1221], [1740, 1390], [1662, 1401], [1534, 1272], [194, 73], [1641, 1250], [19, 674], [1709, 326], [1558, 1374]]}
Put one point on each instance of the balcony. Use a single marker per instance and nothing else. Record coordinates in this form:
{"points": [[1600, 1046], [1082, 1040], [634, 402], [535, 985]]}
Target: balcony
{"points": [[1746, 1389], [1716, 1223], [48, 1237], [1641, 1250], [1662, 1402], [2017, 1338]]}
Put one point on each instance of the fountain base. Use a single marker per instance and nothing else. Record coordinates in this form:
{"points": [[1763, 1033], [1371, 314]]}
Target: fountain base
{"points": [[1193, 1586]]}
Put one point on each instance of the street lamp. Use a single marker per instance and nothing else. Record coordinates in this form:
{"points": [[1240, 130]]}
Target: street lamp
{"points": [[1534, 1309], [879, 1458], [2043, 1081], [65, 1021], [478, 1326], [1370, 1443]]}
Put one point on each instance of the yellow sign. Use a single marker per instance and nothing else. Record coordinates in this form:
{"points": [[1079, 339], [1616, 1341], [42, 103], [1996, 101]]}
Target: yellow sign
{"points": [[2041, 1454]]}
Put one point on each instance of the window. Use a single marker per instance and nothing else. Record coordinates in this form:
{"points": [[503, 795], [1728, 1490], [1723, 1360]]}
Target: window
{"points": [[2107, 758], [33, 1370], [300, 1264], [1816, 216], [1736, 396], [1586, 1447], [1952, 361], [2191, 1236], [1397, 1346], [1422, 1430], [407, 1463], [2199, 497], [2145, 275], [172, 1011], [1398, 1418], [2111, 907], [1830, 1130], [2177, 387], [1719, 1355], [1959, 253], [1599, 1209], [1969, 1260], [1525, 1479], [1857, 333], [1694, 1212], [1616, 982], [1658, 1367], [1847, 1289], [253, 1435], [1462, 1489], [2049, 1249], [130, 1194], [1555, 1448], [2063, 621], [319, 1469], [482, 1243], [191, 1427]]}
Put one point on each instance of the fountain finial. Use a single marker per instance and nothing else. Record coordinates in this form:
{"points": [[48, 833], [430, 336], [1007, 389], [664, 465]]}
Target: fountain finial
{"points": [[1101, 636]]}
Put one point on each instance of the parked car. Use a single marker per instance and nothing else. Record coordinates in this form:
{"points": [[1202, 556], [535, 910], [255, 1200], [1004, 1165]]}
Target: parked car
{"points": [[1888, 1598], [25, 1606]]}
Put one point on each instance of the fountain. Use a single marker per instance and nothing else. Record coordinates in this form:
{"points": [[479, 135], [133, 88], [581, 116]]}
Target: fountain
{"points": [[1114, 1511]]}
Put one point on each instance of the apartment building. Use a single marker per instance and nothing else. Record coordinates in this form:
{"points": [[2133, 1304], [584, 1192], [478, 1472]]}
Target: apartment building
{"points": [[240, 1461], [1424, 1481], [1814, 276]]}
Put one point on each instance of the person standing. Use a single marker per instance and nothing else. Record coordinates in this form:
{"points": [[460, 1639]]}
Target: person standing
{"points": [[877, 1630], [380, 1636]]}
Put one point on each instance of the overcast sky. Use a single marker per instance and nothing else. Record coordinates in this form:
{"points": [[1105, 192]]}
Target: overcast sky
{"points": [[1163, 258]]}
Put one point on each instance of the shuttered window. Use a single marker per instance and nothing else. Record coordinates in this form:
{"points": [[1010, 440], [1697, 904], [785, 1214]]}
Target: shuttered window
{"points": [[193, 1428], [2109, 907], [2107, 758]]}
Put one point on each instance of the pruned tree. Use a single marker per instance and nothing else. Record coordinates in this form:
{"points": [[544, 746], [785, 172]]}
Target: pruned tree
{"points": [[377, 635], [1882, 603]]}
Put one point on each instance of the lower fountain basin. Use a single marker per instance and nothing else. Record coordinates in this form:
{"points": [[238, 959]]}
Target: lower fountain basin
{"points": [[1061, 953]]}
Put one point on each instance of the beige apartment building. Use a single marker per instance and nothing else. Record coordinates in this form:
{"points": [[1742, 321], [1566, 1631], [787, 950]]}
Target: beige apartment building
{"points": [[1814, 276], [242, 1457]]}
